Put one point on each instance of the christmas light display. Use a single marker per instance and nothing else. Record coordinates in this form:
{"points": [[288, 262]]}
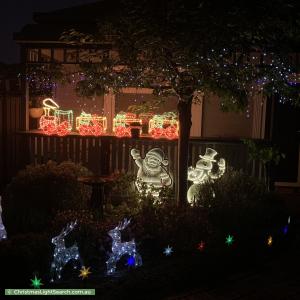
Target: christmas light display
{"points": [[63, 255], [270, 241], [201, 246], [152, 171], [3, 234], [120, 249], [64, 121], [54, 120], [168, 251], [88, 124], [130, 261], [124, 122], [36, 283], [48, 122], [84, 272], [229, 240], [165, 125], [203, 172]]}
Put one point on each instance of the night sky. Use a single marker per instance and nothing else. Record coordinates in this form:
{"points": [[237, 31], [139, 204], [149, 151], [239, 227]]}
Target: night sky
{"points": [[14, 14]]}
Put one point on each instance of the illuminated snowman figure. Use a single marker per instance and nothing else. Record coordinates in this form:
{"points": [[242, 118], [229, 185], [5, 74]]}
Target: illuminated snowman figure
{"points": [[203, 172], [152, 171], [3, 234]]}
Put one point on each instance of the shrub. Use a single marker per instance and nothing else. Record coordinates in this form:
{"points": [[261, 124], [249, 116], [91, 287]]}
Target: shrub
{"points": [[35, 195], [239, 204], [22, 257]]}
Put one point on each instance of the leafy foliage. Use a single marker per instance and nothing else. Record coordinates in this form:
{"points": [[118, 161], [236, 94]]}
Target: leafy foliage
{"points": [[258, 150], [38, 192], [240, 204]]}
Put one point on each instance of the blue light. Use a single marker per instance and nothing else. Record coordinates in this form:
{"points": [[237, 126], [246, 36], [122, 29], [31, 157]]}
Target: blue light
{"points": [[130, 261]]}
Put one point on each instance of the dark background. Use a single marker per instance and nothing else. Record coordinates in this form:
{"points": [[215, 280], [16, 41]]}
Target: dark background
{"points": [[14, 14]]}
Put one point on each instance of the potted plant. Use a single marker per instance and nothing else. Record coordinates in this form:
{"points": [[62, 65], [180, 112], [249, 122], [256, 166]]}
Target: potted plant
{"points": [[36, 108]]}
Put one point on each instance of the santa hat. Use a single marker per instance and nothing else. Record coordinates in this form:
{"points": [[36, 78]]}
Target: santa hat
{"points": [[158, 154]]}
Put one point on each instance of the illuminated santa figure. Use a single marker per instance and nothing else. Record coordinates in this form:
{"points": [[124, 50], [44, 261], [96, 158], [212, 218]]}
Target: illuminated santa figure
{"points": [[152, 172], [204, 172]]}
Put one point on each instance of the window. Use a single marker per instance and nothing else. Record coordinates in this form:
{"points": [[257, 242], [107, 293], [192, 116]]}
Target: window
{"points": [[58, 55], [45, 55], [33, 55], [71, 55], [84, 55]]}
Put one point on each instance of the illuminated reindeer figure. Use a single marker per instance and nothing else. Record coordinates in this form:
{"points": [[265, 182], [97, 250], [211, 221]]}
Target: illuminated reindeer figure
{"points": [[119, 249], [63, 255]]}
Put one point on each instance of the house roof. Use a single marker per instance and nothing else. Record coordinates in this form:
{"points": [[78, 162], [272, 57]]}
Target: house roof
{"points": [[49, 26]]}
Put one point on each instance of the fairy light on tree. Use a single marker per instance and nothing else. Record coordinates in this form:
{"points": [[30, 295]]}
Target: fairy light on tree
{"points": [[159, 53]]}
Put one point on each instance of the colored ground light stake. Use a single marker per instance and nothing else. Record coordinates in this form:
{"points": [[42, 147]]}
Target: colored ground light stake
{"points": [[36, 283], [270, 241], [285, 229], [168, 251], [229, 240], [84, 272], [130, 261], [201, 246]]}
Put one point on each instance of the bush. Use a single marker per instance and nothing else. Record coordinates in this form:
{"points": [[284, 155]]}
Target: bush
{"points": [[160, 225], [34, 196], [22, 257], [239, 204]]}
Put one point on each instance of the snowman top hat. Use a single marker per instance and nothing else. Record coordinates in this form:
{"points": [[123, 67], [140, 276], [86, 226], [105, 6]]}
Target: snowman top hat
{"points": [[209, 154]]}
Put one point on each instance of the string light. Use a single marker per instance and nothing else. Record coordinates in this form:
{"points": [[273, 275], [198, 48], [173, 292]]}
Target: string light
{"points": [[201, 246], [229, 240], [152, 173], [204, 172], [88, 124], [270, 241], [84, 272], [165, 125], [124, 122], [168, 251], [63, 255], [3, 233], [54, 120], [120, 249]]}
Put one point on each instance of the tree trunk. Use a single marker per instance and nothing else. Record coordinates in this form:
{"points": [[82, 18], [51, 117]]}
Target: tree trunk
{"points": [[185, 123]]}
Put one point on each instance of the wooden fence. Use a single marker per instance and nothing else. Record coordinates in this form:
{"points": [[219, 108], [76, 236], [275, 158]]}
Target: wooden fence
{"points": [[12, 119], [107, 154]]}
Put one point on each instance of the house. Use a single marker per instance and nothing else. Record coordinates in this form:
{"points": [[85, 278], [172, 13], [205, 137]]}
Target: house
{"points": [[40, 43]]}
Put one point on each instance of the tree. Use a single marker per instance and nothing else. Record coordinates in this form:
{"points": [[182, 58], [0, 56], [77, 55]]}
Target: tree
{"points": [[185, 48]]}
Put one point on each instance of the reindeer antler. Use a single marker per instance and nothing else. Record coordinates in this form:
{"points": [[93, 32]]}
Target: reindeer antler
{"points": [[124, 224], [69, 228]]}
